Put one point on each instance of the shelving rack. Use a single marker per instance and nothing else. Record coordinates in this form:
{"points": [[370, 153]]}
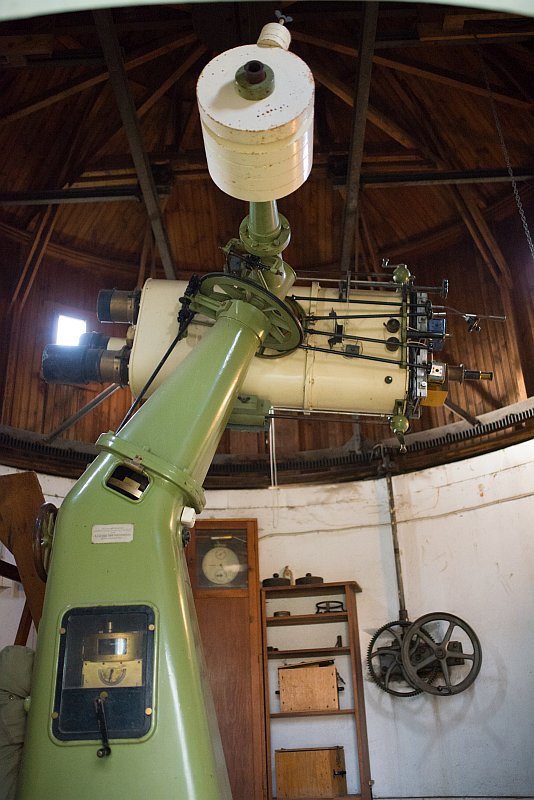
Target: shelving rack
{"points": [[341, 590]]}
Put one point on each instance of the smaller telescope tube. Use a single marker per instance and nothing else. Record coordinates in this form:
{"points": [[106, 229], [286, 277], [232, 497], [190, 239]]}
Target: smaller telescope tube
{"points": [[460, 374], [477, 375], [114, 305], [82, 365]]}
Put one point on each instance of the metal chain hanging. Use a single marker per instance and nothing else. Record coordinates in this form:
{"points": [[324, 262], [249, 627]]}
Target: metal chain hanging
{"points": [[506, 155]]}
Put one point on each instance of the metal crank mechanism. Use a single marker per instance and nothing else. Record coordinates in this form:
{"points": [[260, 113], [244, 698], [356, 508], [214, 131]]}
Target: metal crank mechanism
{"points": [[285, 333], [105, 750], [385, 664], [406, 658]]}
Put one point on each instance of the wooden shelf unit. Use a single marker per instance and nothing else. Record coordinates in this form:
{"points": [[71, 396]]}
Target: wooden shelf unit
{"points": [[347, 591]]}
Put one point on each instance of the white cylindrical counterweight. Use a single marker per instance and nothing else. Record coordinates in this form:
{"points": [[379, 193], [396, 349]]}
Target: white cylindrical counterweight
{"points": [[257, 149], [308, 380]]}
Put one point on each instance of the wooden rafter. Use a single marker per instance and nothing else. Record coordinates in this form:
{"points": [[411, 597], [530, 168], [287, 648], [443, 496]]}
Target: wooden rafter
{"points": [[441, 76], [82, 257], [431, 32], [151, 98], [66, 151], [21, 498], [189, 127], [74, 87], [461, 196], [376, 117]]}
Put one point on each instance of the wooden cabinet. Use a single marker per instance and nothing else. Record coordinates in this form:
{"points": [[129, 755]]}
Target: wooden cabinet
{"points": [[315, 771], [222, 559], [297, 630]]}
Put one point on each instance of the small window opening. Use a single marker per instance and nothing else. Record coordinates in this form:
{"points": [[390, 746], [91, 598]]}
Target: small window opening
{"points": [[69, 329]]}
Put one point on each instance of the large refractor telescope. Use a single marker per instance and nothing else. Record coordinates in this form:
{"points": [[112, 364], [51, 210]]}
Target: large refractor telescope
{"points": [[120, 706]]}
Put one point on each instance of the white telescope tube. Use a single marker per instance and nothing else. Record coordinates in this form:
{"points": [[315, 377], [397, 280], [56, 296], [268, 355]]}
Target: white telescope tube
{"points": [[303, 380]]}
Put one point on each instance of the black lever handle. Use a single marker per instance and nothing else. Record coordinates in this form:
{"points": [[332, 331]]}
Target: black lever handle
{"points": [[105, 750]]}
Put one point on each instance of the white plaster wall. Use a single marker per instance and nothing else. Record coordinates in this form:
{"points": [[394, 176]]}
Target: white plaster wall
{"points": [[467, 547]]}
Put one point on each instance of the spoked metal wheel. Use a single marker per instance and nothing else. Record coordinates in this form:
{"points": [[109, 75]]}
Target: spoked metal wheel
{"points": [[43, 534], [453, 651], [285, 333]]}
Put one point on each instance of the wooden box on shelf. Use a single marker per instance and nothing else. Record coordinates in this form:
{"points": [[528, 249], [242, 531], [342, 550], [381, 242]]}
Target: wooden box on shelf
{"points": [[310, 773], [312, 688]]}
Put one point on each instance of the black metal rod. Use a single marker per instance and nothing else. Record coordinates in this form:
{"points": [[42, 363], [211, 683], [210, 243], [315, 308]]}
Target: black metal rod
{"points": [[436, 178], [316, 317], [403, 613], [356, 355], [103, 395], [314, 332], [105, 194], [364, 68], [119, 82], [345, 300]]}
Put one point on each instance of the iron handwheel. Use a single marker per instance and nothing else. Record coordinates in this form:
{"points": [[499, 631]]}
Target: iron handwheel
{"points": [[285, 333], [43, 534], [443, 653]]}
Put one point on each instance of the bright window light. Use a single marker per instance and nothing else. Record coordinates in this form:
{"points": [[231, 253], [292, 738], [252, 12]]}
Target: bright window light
{"points": [[69, 330]]}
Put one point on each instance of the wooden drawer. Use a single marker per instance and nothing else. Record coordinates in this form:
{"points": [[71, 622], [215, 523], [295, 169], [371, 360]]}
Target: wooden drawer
{"points": [[308, 689], [313, 772]]}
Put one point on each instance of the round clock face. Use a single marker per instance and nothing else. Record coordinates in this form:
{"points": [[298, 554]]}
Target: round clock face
{"points": [[220, 565]]}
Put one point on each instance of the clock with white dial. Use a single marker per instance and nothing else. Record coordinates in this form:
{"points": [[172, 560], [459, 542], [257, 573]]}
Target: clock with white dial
{"points": [[220, 565]]}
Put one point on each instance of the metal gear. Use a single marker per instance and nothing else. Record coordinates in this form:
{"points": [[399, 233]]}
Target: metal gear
{"points": [[384, 660], [442, 654]]}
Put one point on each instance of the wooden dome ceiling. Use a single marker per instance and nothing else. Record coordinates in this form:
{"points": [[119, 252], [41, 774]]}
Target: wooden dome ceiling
{"points": [[110, 183]]}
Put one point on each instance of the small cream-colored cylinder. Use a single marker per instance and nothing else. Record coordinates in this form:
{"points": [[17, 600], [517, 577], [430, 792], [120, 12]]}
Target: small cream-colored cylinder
{"points": [[274, 35], [301, 380]]}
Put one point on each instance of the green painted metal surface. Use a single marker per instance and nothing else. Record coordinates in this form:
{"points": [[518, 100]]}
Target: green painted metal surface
{"points": [[173, 437]]}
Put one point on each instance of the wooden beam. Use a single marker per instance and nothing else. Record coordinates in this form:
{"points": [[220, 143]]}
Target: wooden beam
{"points": [[39, 254], [453, 81], [71, 88], [192, 121], [86, 259], [359, 121], [446, 235], [21, 498], [383, 180], [14, 48], [34, 244], [25, 624], [379, 119], [437, 75], [151, 98], [117, 73], [431, 32], [368, 242], [9, 571], [461, 196]]}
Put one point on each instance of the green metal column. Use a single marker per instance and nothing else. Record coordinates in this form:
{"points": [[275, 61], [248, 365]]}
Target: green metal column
{"points": [[173, 438]]}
